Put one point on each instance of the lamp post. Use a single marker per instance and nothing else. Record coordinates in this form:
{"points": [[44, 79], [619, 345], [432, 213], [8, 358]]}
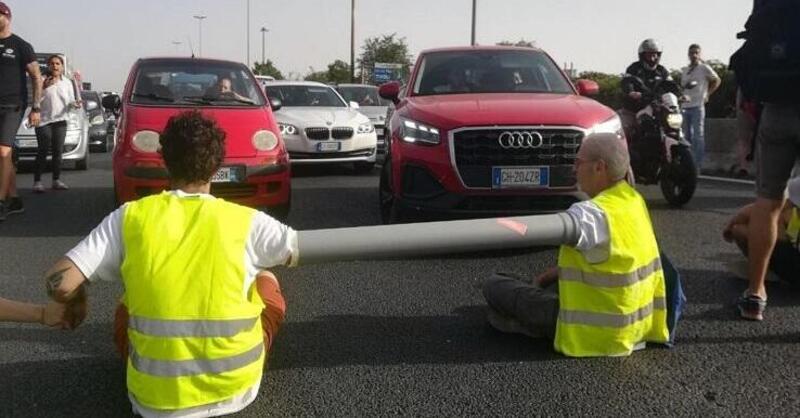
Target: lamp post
{"points": [[263, 43], [248, 33], [177, 46], [200, 33], [352, 41], [472, 42]]}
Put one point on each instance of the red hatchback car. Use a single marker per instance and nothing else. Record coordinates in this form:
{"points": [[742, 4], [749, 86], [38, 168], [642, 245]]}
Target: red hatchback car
{"points": [[486, 131], [255, 171]]}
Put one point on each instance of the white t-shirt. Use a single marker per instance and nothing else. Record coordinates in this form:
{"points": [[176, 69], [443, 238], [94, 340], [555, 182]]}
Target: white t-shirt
{"points": [[593, 232], [702, 73], [270, 243], [56, 101]]}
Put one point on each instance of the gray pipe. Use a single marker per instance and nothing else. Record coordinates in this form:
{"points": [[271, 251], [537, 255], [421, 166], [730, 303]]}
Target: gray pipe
{"points": [[430, 238]]}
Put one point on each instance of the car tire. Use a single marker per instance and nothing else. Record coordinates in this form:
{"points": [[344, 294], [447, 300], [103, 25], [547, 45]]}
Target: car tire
{"points": [[83, 163], [363, 167], [390, 210]]}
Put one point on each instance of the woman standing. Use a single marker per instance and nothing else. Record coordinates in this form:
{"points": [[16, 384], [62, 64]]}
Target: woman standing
{"points": [[58, 99]]}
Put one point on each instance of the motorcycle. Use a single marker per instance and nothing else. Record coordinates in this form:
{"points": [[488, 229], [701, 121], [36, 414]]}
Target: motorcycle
{"points": [[658, 151]]}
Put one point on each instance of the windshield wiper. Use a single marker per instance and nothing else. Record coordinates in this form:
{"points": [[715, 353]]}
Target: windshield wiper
{"points": [[211, 100], [153, 96]]}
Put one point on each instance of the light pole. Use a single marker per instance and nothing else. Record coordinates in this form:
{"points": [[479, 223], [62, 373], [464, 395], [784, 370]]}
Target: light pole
{"points": [[177, 46], [248, 33], [472, 42], [200, 34], [352, 41], [263, 43]]}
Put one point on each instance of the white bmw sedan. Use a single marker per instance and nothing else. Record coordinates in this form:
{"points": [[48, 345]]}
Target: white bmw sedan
{"points": [[319, 127]]}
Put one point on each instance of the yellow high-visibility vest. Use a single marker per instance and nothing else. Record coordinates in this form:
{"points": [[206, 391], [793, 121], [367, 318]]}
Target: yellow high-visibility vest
{"points": [[195, 338], [607, 308], [793, 229]]}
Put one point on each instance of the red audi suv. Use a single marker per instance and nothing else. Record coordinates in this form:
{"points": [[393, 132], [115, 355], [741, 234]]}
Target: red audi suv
{"points": [[486, 131]]}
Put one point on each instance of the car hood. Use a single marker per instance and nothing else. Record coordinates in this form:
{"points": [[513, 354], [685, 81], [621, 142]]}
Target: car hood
{"points": [[373, 112], [320, 116], [74, 123], [486, 109]]}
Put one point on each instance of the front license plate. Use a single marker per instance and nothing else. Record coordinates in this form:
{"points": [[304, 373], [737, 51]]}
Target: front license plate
{"points": [[329, 146], [224, 175], [520, 177], [27, 143]]}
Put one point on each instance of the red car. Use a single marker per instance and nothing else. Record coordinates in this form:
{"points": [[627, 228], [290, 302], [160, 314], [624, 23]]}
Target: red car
{"points": [[486, 131], [255, 171]]}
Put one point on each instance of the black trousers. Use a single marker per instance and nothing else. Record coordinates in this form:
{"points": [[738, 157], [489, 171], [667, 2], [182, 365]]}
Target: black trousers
{"points": [[50, 137]]}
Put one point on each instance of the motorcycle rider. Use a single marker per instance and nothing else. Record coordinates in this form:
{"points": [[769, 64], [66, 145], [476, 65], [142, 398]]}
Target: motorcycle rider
{"points": [[650, 72]]}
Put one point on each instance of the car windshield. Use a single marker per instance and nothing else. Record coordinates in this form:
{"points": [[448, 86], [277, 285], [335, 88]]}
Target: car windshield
{"points": [[497, 71], [363, 95], [195, 83], [305, 96]]}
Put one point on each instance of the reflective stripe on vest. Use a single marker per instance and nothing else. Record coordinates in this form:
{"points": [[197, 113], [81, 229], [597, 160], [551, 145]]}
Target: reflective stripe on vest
{"points": [[611, 320], [177, 368], [190, 328], [793, 229], [609, 279]]}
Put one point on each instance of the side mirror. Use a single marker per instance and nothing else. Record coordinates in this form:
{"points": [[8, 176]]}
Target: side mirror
{"points": [[587, 88], [91, 105], [112, 102], [354, 105], [390, 91], [275, 103]]}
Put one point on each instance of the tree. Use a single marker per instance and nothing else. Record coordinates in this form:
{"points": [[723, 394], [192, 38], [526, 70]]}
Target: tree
{"points": [[267, 68], [610, 93], [386, 49], [338, 72], [320, 76], [522, 42]]}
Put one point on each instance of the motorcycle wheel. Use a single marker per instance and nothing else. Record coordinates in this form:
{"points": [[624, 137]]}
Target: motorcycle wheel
{"points": [[679, 179]]}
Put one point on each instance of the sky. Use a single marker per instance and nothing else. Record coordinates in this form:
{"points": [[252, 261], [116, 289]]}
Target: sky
{"points": [[103, 38]]}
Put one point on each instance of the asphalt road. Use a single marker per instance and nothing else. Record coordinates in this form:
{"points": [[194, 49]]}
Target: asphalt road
{"points": [[410, 337]]}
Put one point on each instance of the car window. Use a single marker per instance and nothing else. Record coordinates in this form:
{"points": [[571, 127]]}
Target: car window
{"points": [[363, 95], [305, 96], [498, 71], [195, 83]]}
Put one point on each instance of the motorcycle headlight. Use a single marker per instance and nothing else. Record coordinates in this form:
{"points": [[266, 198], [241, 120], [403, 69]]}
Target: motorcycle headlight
{"points": [[265, 141], [675, 120], [287, 129], [97, 120], [366, 128], [610, 126], [146, 141], [415, 132]]}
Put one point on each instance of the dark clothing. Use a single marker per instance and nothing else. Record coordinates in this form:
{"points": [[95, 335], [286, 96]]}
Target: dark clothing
{"points": [[785, 262], [50, 136], [648, 76], [10, 118], [15, 55]]}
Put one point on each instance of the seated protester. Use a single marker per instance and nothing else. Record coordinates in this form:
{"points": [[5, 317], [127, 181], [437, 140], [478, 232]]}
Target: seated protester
{"points": [[199, 313], [607, 296], [785, 259]]}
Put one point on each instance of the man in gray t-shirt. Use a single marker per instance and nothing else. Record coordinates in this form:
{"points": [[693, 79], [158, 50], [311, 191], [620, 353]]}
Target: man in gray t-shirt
{"points": [[694, 109]]}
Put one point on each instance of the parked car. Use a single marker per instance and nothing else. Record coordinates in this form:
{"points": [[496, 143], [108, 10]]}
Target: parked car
{"points": [[256, 169], [263, 79], [100, 138], [487, 131], [320, 127], [371, 105], [76, 141]]}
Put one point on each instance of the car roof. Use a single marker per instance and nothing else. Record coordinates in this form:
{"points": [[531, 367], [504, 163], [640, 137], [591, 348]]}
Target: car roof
{"points": [[356, 85], [295, 83], [481, 48], [148, 60]]}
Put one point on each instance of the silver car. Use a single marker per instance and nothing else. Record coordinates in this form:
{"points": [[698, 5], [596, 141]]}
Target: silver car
{"points": [[371, 105], [319, 126], [76, 142]]}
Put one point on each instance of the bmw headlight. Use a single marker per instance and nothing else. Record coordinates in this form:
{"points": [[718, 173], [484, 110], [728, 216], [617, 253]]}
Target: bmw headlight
{"points": [[366, 128], [287, 129], [675, 120], [415, 132], [265, 141], [97, 120], [610, 126], [146, 141]]}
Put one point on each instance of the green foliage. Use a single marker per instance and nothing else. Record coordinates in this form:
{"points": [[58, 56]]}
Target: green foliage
{"points": [[267, 68], [386, 49], [320, 76], [337, 72], [722, 104], [522, 42], [610, 92]]}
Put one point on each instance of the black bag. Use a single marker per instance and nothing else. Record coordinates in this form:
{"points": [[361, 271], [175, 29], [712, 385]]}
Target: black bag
{"points": [[767, 66]]}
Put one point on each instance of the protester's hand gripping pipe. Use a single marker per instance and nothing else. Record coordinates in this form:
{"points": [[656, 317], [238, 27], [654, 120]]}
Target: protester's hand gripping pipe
{"points": [[431, 238]]}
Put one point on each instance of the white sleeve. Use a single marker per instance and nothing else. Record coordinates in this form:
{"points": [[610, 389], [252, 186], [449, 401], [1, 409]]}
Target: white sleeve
{"points": [[99, 255], [710, 73], [271, 243], [593, 233]]}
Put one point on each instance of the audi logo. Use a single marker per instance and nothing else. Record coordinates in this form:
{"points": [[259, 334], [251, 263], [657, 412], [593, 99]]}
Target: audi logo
{"points": [[520, 140]]}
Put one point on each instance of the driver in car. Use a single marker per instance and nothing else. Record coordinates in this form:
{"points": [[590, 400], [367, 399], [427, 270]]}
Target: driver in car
{"points": [[650, 72], [224, 90]]}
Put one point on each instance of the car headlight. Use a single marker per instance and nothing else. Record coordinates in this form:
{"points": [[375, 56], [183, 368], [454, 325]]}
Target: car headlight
{"points": [[265, 140], [287, 129], [146, 141], [675, 120], [415, 132], [366, 128], [610, 126], [97, 120]]}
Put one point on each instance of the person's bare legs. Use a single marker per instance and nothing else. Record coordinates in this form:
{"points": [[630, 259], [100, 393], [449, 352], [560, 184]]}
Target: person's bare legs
{"points": [[762, 234], [7, 174]]}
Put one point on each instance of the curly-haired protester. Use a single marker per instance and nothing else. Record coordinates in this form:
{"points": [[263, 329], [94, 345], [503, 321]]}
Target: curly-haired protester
{"points": [[199, 312]]}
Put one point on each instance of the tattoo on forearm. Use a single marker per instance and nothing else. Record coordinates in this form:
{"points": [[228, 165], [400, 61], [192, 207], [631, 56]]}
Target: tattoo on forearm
{"points": [[54, 280]]}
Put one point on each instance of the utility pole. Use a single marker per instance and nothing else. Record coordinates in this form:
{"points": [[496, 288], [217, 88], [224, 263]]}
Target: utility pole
{"points": [[200, 34], [263, 43], [472, 42], [352, 41], [248, 33]]}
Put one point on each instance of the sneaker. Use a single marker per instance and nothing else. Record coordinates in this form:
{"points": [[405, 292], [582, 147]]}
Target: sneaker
{"points": [[38, 187], [3, 211], [508, 324], [751, 306], [59, 185], [15, 205]]}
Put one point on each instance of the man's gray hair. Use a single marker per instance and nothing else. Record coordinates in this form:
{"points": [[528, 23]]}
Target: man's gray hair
{"points": [[610, 148]]}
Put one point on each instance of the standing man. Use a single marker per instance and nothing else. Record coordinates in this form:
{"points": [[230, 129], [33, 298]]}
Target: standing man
{"points": [[16, 58], [694, 108]]}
